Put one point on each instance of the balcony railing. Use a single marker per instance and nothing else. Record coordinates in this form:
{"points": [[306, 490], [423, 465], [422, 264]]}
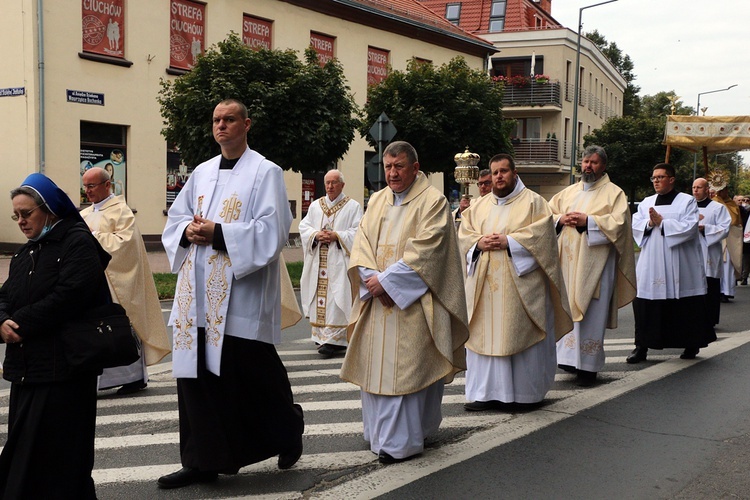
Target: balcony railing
{"points": [[536, 150], [532, 94]]}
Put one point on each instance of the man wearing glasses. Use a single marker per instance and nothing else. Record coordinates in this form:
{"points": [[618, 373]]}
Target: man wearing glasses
{"points": [[485, 186], [670, 307]]}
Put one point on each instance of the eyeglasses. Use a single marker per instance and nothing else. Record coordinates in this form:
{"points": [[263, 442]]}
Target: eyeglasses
{"points": [[23, 214], [659, 177], [92, 186], [484, 183]]}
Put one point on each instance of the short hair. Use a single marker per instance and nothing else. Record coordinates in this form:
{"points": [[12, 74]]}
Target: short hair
{"points": [[398, 147], [484, 172], [503, 156], [595, 150], [341, 175], [243, 109], [28, 191], [665, 166]]}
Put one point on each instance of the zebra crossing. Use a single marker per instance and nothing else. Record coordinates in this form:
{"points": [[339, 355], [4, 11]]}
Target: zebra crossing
{"points": [[138, 440]]}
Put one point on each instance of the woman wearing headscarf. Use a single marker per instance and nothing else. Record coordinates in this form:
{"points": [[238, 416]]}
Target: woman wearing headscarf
{"points": [[55, 278]]}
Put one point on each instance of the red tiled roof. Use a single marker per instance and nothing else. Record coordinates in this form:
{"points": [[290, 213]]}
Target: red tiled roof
{"points": [[475, 14], [420, 12]]}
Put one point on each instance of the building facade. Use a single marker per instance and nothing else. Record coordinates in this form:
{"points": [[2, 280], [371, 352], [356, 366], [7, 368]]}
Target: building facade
{"points": [[80, 78], [536, 64]]}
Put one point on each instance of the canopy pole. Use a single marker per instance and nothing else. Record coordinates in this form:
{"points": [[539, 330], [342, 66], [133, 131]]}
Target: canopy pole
{"points": [[705, 160], [666, 157]]}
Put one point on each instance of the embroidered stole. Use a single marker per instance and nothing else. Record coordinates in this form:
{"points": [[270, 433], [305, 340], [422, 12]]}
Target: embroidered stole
{"points": [[327, 222]]}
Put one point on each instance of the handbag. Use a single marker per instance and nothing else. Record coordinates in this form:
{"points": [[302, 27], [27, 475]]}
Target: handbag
{"points": [[104, 339]]}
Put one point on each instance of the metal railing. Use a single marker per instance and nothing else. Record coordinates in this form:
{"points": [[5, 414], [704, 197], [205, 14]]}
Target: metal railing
{"points": [[536, 150], [532, 94]]}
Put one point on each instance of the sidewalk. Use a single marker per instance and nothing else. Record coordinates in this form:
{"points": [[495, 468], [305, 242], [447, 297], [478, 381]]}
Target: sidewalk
{"points": [[158, 261]]}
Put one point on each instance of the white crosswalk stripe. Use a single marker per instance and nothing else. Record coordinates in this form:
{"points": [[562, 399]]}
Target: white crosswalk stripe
{"points": [[332, 410]]}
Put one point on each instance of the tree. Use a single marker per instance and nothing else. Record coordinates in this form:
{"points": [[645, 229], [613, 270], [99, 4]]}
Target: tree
{"points": [[440, 111], [303, 114], [623, 64], [634, 146]]}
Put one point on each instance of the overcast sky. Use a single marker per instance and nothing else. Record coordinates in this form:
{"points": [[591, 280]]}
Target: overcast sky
{"points": [[688, 46]]}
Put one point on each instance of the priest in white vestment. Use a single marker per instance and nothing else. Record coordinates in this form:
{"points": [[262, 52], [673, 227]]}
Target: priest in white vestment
{"points": [[670, 307], [516, 298], [595, 242], [130, 279], [327, 233], [224, 237], [713, 229], [408, 324]]}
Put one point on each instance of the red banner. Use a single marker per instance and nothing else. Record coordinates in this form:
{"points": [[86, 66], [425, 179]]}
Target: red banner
{"points": [[308, 194], [103, 25], [187, 33], [377, 65], [323, 45], [256, 32]]}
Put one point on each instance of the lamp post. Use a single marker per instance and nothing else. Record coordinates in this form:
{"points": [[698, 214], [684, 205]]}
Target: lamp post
{"points": [[697, 108], [574, 139]]}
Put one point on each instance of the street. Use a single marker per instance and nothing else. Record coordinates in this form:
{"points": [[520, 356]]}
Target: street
{"points": [[665, 428]]}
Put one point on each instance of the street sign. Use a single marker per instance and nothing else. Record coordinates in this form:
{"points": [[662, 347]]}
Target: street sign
{"points": [[383, 130]]}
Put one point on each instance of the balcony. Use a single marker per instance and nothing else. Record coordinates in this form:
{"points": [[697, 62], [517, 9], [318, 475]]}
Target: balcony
{"points": [[532, 94], [536, 151]]}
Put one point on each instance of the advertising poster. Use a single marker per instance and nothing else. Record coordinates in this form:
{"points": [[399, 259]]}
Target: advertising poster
{"points": [[177, 175], [308, 194], [110, 159], [103, 25], [323, 45], [186, 33], [377, 65], [256, 32]]}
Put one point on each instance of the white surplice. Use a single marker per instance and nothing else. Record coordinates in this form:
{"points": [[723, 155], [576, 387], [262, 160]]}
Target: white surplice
{"points": [[670, 265], [241, 286], [716, 221]]}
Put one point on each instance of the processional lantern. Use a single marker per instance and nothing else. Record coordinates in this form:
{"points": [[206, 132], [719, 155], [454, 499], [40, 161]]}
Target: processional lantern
{"points": [[467, 171]]}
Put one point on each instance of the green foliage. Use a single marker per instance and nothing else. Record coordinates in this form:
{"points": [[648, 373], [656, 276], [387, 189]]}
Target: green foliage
{"points": [[295, 272], [303, 114], [623, 63], [440, 111], [634, 146]]}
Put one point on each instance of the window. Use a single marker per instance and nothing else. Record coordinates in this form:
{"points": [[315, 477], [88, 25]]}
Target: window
{"points": [[529, 128], [497, 16], [453, 12]]}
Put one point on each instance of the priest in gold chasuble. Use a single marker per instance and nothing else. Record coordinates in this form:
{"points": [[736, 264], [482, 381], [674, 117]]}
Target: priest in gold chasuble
{"points": [[516, 299], [408, 324], [595, 241]]}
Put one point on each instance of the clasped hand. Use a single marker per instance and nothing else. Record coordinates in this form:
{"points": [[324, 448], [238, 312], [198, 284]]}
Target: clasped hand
{"points": [[494, 241], [574, 219], [200, 231], [376, 290]]}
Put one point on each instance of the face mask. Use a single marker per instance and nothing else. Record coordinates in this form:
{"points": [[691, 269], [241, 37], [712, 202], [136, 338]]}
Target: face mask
{"points": [[45, 230]]}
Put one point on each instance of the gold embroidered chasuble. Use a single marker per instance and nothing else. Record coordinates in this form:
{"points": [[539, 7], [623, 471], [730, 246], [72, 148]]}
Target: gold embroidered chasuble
{"points": [[582, 265], [392, 351], [507, 312]]}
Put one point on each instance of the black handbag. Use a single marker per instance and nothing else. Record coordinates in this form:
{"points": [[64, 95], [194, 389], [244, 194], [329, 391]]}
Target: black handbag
{"points": [[104, 339]]}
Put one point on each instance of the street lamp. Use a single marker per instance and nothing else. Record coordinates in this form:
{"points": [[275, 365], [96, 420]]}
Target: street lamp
{"points": [[576, 90], [697, 108]]}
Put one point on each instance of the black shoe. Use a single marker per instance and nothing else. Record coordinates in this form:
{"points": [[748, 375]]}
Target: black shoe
{"points": [[326, 351], [638, 355], [568, 368], [689, 353], [483, 405], [131, 388], [185, 477], [386, 459], [743, 283], [585, 379]]}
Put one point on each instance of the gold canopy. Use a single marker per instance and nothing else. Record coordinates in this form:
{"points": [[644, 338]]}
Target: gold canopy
{"points": [[714, 133]]}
